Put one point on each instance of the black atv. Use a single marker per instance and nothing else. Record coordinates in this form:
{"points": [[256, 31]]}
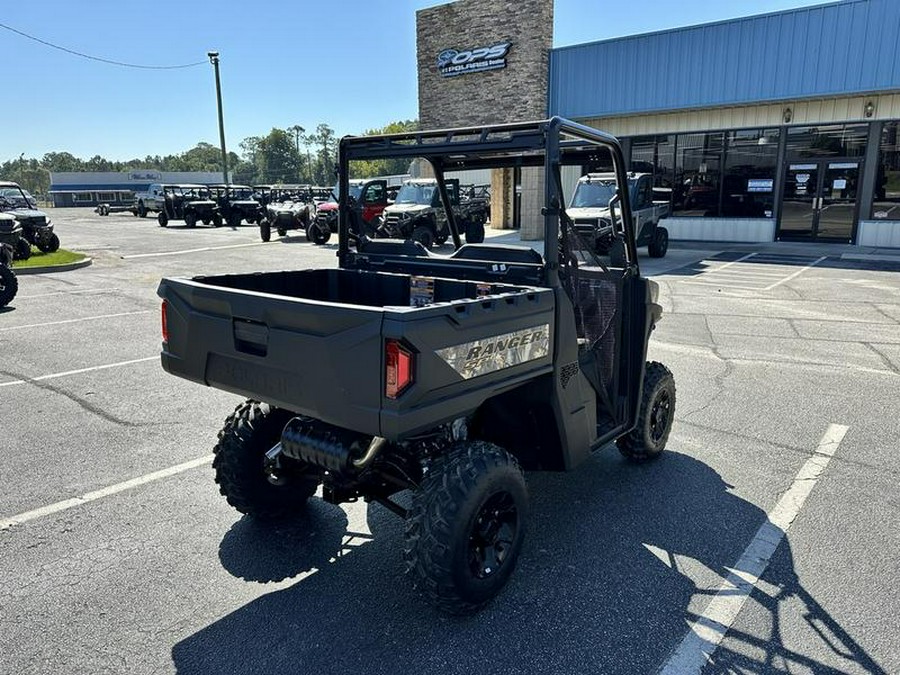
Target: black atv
{"points": [[443, 375], [288, 207], [10, 235], [37, 230], [190, 203], [236, 203]]}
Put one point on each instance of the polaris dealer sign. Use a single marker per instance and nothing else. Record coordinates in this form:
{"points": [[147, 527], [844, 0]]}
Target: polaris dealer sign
{"points": [[452, 62]]}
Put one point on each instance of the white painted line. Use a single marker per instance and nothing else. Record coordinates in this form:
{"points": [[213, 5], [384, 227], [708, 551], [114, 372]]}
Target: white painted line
{"points": [[195, 250], [66, 504], [53, 376], [707, 631], [723, 284], [796, 274], [727, 265], [85, 318]]}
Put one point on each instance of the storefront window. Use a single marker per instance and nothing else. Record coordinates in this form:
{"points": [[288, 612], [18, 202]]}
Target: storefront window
{"points": [[837, 140], [886, 205], [748, 186], [698, 172], [655, 155]]}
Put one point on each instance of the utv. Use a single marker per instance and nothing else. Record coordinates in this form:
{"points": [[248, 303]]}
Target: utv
{"points": [[368, 200], [417, 214], [36, 227], [289, 207], [445, 376], [190, 203], [236, 203], [10, 235]]}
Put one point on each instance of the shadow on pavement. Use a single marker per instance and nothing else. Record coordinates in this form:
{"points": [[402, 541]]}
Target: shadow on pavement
{"points": [[588, 596]]}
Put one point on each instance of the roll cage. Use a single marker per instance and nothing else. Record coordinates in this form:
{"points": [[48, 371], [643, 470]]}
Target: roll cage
{"points": [[548, 144]]}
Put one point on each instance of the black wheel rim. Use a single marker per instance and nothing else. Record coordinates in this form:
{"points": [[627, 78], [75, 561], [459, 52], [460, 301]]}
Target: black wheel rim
{"points": [[659, 415], [493, 535]]}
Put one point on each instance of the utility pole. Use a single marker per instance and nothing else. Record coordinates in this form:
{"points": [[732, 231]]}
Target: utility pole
{"points": [[214, 60], [297, 129]]}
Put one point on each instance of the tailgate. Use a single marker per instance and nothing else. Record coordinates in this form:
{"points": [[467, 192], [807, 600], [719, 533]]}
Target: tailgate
{"points": [[310, 357]]}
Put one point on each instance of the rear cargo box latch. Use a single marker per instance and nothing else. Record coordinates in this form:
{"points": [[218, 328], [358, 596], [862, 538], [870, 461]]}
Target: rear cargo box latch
{"points": [[251, 337]]}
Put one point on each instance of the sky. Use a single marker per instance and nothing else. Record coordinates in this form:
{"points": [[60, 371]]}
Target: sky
{"points": [[348, 63]]}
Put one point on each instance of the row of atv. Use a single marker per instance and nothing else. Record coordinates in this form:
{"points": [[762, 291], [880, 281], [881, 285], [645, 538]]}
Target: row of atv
{"points": [[414, 211]]}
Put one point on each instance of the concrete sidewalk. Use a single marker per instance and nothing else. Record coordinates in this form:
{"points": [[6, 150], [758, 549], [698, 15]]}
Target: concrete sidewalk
{"points": [[816, 249]]}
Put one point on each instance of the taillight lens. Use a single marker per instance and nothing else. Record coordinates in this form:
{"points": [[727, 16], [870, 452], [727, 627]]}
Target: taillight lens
{"points": [[165, 321], [398, 367]]}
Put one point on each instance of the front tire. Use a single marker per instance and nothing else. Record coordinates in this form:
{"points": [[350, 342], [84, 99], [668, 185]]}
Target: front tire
{"points": [[190, 219], [50, 244], [265, 230], [23, 249], [162, 219], [659, 244], [466, 526], [318, 235], [249, 433], [424, 236], [474, 233], [9, 285], [141, 211], [648, 439]]}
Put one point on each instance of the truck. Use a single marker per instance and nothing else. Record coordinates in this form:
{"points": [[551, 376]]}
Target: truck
{"points": [[152, 200], [417, 213], [445, 376], [589, 209]]}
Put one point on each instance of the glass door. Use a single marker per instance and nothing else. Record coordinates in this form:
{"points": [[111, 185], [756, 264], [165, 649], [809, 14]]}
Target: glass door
{"points": [[801, 196], [837, 200], [819, 200]]}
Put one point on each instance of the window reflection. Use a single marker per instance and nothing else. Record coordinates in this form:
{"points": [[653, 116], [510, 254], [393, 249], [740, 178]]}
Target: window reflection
{"points": [[886, 205]]}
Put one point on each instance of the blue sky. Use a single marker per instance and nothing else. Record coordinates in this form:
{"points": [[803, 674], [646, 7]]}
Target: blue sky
{"points": [[348, 63]]}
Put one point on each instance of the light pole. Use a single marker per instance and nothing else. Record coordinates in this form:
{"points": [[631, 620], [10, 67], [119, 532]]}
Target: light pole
{"points": [[214, 59], [297, 129]]}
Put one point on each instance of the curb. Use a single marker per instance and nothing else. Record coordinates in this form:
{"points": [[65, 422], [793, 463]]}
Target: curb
{"points": [[68, 267]]}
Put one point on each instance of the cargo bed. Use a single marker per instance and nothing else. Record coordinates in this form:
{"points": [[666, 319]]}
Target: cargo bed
{"points": [[313, 342]]}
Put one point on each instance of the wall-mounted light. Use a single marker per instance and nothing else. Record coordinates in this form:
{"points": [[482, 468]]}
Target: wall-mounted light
{"points": [[869, 109], [787, 115]]}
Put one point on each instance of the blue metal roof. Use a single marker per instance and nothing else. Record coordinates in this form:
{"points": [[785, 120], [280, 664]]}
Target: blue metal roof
{"points": [[846, 47]]}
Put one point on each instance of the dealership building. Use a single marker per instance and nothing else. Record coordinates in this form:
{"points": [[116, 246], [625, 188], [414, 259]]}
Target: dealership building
{"points": [[781, 126], [89, 188]]}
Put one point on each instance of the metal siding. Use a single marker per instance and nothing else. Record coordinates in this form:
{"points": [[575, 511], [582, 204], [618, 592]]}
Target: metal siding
{"points": [[847, 47]]}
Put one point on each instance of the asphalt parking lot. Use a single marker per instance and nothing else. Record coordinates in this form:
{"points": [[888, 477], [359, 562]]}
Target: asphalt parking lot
{"points": [[117, 553]]}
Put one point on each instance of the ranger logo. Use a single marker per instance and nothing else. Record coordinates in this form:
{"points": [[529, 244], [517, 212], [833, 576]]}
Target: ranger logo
{"points": [[479, 357]]}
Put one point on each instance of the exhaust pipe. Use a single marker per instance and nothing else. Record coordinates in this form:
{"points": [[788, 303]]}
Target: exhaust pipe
{"points": [[328, 447]]}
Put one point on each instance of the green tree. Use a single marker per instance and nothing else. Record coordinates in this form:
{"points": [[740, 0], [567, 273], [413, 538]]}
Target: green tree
{"points": [[385, 167]]}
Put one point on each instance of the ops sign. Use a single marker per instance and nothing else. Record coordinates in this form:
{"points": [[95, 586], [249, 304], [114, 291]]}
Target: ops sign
{"points": [[453, 62]]}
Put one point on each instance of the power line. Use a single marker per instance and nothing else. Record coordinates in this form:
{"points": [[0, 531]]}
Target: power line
{"points": [[97, 58]]}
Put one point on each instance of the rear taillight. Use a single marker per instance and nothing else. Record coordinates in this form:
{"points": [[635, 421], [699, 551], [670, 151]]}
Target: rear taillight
{"points": [[165, 321], [398, 368]]}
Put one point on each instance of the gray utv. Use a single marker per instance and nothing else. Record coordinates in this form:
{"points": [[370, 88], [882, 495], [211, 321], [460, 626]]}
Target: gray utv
{"points": [[440, 376]]}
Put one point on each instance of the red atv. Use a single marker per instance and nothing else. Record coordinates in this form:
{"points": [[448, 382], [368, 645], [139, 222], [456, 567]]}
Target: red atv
{"points": [[370, 198]]}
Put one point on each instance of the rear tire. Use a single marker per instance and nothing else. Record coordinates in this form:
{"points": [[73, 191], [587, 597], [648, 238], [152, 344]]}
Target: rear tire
{"points": [[265, 230], [217, 220], [234, 221], [249, 433], [648, 439], [466, 526], [162, 219], [659, 244], [141, 211], [474, 233], [9, 285], [23, 249], [190, 219], [424, 236], [50, 244]]}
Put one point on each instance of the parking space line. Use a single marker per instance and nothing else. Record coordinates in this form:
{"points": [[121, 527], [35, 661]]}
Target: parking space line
{"points": [[796, 274], [85, 318], [710, 627], [195, 250], [733, 262], [110, 490], [53, 376], [83, 291]]}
